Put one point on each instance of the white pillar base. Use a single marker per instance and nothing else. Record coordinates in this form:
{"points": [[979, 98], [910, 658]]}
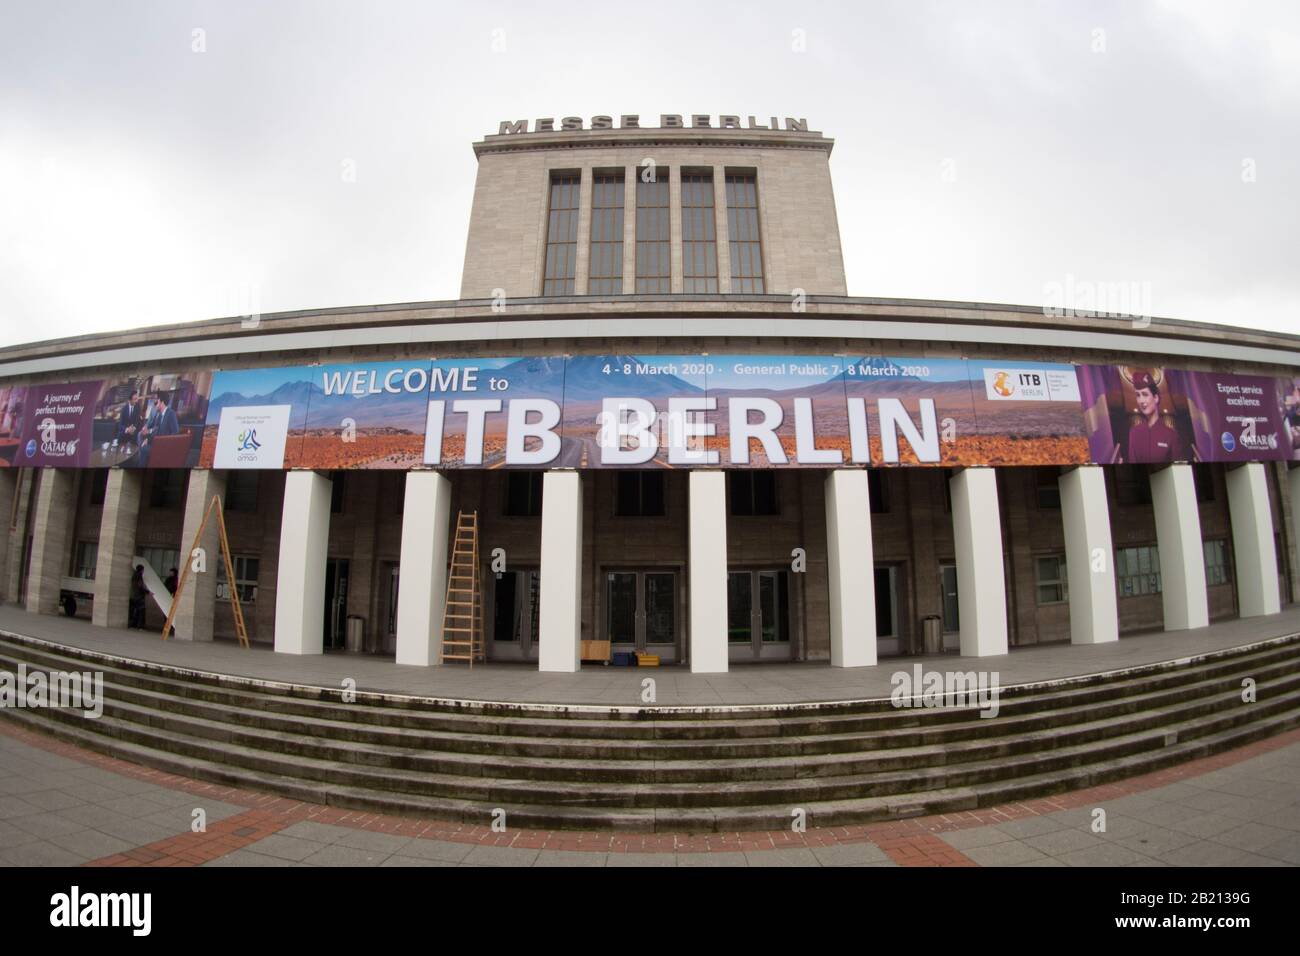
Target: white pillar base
{"points": [[1252, 541], [300, 582], [560, 611], [981, 585], [422, 587], [1182, 556], [1089, 557], [851, 568], [707, 564]]}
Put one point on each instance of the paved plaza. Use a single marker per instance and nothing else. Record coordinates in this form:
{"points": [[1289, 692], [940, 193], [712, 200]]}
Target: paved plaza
{"points": [[63, 806]]}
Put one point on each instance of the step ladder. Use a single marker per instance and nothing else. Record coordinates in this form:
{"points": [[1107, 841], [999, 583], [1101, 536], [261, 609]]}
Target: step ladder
{"points": [[236, 609], [462, 618]]}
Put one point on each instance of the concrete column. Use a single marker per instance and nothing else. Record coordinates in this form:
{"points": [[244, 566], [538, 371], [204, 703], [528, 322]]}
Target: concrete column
{"points": [[1252, 541], [19, 532], [677, 282], [707, 559], [560, 609], [196, 607], [851, 569], [977, 539], [11, 544], [422, 589], [51, 538], [300, 578], [582, 263], [722, 227], [113, 566], [1089, 557], [1182, 556], [631, 176]]}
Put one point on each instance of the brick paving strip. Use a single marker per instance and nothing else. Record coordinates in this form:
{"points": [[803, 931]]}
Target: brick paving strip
{"points": [[909, 842]]}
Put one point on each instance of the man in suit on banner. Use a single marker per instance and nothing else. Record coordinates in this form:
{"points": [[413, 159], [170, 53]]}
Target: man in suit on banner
{"points": [[162, 421]]}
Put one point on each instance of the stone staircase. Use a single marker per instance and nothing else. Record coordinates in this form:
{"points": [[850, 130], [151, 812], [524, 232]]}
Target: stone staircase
{"points": [[668, 769]]}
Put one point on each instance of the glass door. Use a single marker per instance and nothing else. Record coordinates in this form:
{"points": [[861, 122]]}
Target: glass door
{"points": [[948, 595], [515, 615], [888, 640], [336, 604], [758, 615], [641, 612]]}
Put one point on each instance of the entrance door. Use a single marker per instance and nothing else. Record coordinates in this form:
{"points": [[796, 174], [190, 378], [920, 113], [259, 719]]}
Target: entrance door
{"points": [[948, 595], [387, 642], [641, 612], [888, 640], [758, 615], [336, 603], [514, 615]]}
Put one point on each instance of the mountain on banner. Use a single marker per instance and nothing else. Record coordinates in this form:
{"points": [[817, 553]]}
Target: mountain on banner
{"points": [[586, 379], [532, 376], [296, 394]]}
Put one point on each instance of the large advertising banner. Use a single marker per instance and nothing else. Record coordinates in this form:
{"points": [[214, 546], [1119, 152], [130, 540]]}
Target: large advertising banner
{"points": [[146, 418], [497, 412], [777, 411], [636, 411], [366, 416], [13, 421], [1288, 409], [911, 411], [1154, 415], [645, 411], [257, 418], [1027, 413], [57, 425]]}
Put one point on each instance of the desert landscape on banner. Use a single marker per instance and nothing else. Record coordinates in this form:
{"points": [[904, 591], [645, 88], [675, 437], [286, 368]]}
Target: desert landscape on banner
{"points": [[651, 411]]}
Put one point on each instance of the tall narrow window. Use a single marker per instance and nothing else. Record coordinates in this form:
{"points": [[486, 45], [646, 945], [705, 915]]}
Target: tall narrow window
{"points": [[562, 234], [699, 234], [742, 222], [606, 235], [653, 257]]}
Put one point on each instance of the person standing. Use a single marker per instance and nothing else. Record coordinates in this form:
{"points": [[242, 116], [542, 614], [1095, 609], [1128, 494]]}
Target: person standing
{"points": [[135, 615]]}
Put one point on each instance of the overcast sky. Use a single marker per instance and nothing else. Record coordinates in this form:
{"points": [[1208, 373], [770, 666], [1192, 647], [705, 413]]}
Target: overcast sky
{"points": [[992, 151]]}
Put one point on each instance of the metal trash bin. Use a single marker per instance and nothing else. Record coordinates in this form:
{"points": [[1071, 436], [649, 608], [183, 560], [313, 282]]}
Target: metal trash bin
{"points": [[356, 635], [932, 628]]}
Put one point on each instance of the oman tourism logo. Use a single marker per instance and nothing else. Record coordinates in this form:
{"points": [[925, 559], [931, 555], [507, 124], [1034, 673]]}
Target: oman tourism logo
{"points": [[247, 440]]}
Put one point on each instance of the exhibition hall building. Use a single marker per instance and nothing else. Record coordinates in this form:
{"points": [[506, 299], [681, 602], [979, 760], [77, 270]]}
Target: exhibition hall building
{"points": [[655, 426]]}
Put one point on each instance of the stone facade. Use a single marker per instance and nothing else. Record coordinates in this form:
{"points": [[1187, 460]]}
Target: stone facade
{"points": [[797, 217]]}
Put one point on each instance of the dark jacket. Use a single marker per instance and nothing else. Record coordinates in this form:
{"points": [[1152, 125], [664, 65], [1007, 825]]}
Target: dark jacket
{"points": [[130, 416]]}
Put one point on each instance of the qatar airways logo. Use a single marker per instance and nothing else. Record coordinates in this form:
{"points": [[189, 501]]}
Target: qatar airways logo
{"points": [[51, 445]]}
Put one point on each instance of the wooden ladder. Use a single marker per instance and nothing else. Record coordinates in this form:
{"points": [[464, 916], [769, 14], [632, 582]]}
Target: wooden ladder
{"points": [[235, 609], [462, 617]]}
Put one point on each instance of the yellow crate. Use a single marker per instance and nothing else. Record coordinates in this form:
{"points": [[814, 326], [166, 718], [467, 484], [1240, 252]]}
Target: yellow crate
{"points": [[647, 660]]}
